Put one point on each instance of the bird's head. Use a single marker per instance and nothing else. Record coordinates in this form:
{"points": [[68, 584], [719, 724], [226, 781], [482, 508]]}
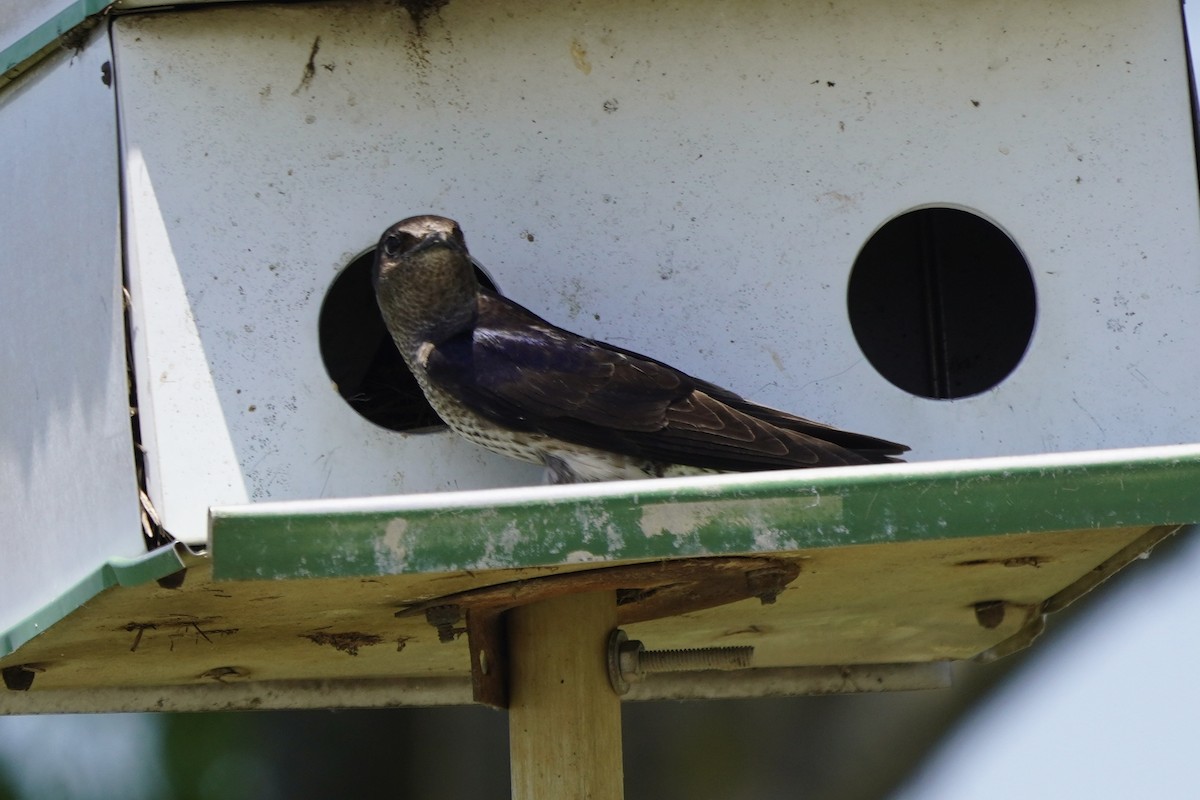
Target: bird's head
{"points": [[425, 280]]}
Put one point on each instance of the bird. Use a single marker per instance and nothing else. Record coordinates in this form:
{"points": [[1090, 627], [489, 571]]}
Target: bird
{"points": [[505, 379]]}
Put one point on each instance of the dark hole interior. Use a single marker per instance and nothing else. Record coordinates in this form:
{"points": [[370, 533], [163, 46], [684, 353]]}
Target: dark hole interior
{"points": [[359, 355], [942, 303]]}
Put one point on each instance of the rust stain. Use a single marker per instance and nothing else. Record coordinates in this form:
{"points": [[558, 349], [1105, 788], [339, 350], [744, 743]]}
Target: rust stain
{"points": [[184, 628], [220, 674], [420, 10], [310, 69], [579, 55], [748, 630], [1015, 561], [138, 628], [347, 642], [989, 613]]}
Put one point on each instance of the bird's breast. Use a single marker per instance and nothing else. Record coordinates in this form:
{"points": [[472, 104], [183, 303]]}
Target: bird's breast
{"points": [[478, 429]]}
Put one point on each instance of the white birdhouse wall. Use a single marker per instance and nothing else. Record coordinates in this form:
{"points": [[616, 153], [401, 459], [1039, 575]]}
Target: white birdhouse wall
{"points": [[694, 181], [67, 480]]}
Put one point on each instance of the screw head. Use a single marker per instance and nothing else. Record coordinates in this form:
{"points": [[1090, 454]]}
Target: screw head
{"points": [[623, 661]]}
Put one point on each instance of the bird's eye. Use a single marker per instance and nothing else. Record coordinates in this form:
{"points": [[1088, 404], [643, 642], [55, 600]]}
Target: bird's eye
{"points": [[394, 244]]}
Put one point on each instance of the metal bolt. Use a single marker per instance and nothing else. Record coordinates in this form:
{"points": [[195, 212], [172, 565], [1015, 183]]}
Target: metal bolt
{"points": [[444, 618], [767, 583], [629, 661]]}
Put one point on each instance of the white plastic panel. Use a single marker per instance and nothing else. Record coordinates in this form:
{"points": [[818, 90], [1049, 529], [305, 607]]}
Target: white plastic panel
{"points": [[688, 179], [68, 497]]}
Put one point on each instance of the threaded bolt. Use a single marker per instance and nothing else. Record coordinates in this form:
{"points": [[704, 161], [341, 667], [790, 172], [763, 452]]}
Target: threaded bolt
{"points": [[444, 619], [629, 661], [695, 659]]}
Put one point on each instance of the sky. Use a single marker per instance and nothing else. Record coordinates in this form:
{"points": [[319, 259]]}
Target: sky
{"points": [[1108, 709]]}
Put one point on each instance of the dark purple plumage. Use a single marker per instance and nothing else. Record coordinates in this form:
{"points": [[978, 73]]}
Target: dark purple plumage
{"points": [[511, 381]]}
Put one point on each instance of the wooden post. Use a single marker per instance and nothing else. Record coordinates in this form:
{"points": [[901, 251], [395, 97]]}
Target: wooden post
{"points": [[564, 719]]}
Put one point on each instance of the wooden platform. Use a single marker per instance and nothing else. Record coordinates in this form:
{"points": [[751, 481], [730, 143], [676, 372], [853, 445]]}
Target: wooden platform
{"points": [[901, 569]]}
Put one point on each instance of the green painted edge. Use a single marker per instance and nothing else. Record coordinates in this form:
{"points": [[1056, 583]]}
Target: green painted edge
{"points": [[710, 515], [114, 572], [21, 54]]}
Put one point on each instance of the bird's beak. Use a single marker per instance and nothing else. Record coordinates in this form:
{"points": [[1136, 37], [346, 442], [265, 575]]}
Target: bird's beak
{"points": [[435, 240]]}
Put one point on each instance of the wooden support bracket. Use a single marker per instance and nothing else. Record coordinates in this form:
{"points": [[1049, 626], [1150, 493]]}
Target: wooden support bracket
{"points": [[642, 592]]}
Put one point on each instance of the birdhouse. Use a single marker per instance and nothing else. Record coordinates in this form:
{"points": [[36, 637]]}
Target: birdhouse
{"points": [[969, 227], [940, 225]]}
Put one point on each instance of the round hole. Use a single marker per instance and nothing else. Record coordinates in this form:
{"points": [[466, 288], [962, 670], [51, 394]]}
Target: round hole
{"points": [[942, 303], [361, 359]]}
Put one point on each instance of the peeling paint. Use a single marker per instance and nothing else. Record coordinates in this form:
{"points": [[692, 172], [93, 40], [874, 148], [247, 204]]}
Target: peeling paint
{"points": [[682, 519], [677, 518], [499, 549], [707, 515], [582, 557], [697, 527], [772, 540], [391, 549], [596, 522]]}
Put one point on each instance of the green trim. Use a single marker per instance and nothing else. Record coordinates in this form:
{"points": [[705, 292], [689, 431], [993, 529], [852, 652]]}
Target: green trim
{"points": [[711, 515], [35, 45], [114, 572]]}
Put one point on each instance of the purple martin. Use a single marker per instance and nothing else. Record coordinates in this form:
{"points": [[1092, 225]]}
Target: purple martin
{"points": [[510, 381]]}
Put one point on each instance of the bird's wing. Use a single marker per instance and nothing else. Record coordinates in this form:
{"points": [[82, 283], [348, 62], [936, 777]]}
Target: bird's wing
{"points": [[520, 369], [523, 372], [872, 448]]}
